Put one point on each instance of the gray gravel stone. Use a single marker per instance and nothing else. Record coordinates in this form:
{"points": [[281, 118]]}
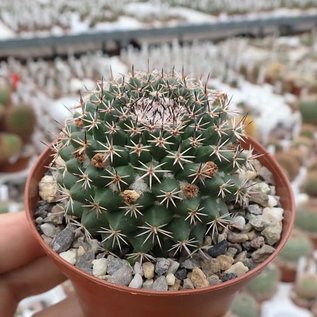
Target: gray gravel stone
{"points": [[255, 209], [136, 282], [84, 262], [137, 268], [238, 223], [160, 284], [123, 276], [189, 264], [262, 254], [114, 264], [181, 274], [218, 249], [238, 269], [63, 240], [173, 267], [237, 237], [148, 284], [213, 280], [49, 229], [272, 233], [188, 284], [161, 266]]}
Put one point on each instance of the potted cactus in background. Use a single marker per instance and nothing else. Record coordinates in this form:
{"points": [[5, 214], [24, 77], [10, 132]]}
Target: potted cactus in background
{"points": [[298, 245], [244, 305], [17, 125], [264, 286], [157, 179]]}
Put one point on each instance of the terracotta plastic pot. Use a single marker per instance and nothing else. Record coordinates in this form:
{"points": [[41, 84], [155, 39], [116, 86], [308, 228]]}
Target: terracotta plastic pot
{"points": [[99, 298]]}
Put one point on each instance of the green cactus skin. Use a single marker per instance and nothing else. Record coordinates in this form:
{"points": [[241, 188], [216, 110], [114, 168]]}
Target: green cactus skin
{"points": [[306, 286], [21, 121], [264, 286], [151, 164], [308, 109], [10, 145], [244, 305], [5, 93], [306, 219], [310, 185], [297, 246]]}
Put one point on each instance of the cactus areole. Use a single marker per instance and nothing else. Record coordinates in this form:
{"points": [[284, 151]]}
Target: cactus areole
{"points": [[151, 165], [150, 162]]}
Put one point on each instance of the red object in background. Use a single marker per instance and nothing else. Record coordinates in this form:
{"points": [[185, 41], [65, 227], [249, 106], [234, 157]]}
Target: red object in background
{"points": [[15, 79]]}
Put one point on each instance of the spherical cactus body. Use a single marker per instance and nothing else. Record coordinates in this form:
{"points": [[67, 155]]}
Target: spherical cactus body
{"points": [[10, 145], [151, 163], [304, 293], [308, 109], [5, 93], [264, 286], [244, 305], [21, 121]]}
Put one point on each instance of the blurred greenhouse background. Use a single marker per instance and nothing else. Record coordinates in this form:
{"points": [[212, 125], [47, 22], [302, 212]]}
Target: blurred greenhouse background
{"points": [[262, 53]]}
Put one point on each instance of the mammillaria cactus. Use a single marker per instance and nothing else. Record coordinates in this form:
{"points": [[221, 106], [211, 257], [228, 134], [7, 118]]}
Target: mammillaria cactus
{"points": [[244, 305], [305, 290], [151, 162], [264, 286], [308, 109], [10, 145], [4, 93]]}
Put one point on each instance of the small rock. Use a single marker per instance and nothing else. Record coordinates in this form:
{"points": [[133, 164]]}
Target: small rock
{"points": [[42, 209], [49, 229], [223, 236], [47, 239], [48, 188], [258, 222], [137, 268], [213, 280], [81, 251], [114, 264], [198, 278], [262, 254], [228, 276], [173, 267], [181, 274], [259, 194], [272, 215], [247, 246], [39, 220], [238, 223], [252, 235], [93, 245], [176, 286], [249, 263], [161, 266], [238, 269], [272, 233], [70, 256], [84, 262], [273, 201], [225, 262], [160, 284], [241, 256], [170, 279], [99, 267], [232, 252], [188, 284], [148, 270], [255, 209], [211, 266], [63, 240], [237, 237], [218, 249], [257, 242], [148, 284], [208, 240], [123, 276], [137, 281], [267, 175], [189, 264]]}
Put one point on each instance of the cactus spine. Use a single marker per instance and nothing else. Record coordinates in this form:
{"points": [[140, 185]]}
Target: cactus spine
{"points": [[152, 162]]}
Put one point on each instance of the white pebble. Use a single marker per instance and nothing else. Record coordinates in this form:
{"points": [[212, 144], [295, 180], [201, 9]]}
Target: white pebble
{"points": [[70, 256], [99, 267], [170, 279], [48, 189], [148, 270], [136, 282]]}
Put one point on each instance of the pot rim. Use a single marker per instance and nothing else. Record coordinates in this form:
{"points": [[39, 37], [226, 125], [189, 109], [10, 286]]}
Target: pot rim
{"points": [[125, 289]]}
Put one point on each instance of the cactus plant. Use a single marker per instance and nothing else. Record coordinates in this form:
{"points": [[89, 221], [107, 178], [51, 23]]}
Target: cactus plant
{"points": [[151, 163], [10, 145], [4, 93], [244, 305], [289, 163], [21, 121], [264, 286], [310, 184], [308, 109], [297, 246], [306, 218], [305, 290]]}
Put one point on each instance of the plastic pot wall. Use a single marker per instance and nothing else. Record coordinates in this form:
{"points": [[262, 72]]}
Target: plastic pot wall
{"points": [[102, 299]]}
